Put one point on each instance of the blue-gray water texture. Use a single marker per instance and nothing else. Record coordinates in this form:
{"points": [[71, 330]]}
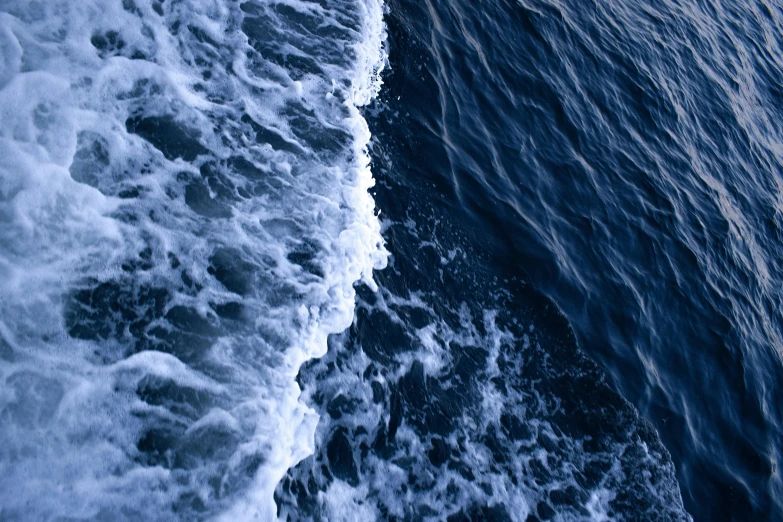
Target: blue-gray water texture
{"points": [[509, 260]]}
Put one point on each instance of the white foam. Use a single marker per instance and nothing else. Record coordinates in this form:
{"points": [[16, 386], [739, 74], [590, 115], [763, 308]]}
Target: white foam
{"points": [[93, 211]]}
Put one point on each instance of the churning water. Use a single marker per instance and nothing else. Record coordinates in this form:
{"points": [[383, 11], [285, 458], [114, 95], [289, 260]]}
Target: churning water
{"points": [[561, 301]]}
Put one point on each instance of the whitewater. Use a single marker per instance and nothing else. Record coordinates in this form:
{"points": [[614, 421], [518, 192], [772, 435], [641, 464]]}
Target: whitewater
{"points": [[184, 212]]}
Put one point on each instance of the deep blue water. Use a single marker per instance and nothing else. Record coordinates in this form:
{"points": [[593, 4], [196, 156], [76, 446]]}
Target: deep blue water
{"points": [[560, 300], [622, 159], [626, 158]]}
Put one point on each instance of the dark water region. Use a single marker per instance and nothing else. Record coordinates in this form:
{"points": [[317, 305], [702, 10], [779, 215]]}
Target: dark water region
{"points": [[622, 159]]}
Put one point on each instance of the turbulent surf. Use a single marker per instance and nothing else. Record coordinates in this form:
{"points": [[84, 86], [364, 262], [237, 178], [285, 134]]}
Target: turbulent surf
{"points": [[185, 210]]}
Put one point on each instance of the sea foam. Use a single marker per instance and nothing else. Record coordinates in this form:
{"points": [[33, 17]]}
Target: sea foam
{"points": [[185, 210]]}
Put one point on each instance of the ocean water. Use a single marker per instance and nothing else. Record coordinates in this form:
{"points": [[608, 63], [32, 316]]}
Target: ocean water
{"points": [[184, 214], [346, 260]]}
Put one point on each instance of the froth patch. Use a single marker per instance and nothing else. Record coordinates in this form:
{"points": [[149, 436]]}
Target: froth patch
{"points": [[186, 216], [11, 51]]}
